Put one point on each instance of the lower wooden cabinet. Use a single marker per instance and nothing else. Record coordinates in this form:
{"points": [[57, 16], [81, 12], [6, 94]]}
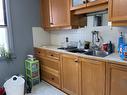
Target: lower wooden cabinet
{"points": [[50, 71], [93, 77], [70, 74], [82, 76], [118, 82], [49, 66]]}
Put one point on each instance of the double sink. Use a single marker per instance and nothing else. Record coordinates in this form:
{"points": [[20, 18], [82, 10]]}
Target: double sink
{"points": [[98, 53]]}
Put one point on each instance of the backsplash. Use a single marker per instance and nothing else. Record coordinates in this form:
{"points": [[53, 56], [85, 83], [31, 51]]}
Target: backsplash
{"points": [[84, 34], [40, 37], [107, 33]]}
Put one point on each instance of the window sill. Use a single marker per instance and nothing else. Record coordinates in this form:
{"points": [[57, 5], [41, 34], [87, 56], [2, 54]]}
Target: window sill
{"points": [[4, 59]]}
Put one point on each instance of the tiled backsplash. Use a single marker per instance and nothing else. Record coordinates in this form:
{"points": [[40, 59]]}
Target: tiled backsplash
{"points": [[57, 37], [40, 37]]}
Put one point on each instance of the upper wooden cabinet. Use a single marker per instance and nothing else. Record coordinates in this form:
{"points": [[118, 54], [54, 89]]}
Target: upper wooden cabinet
{"points": [[117, 12], [55, 13], [93, 77], [70, 74], [98, 5]]}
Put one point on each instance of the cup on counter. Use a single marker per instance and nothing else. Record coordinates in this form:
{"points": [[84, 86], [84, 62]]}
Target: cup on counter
{"points": [[104, 47]]}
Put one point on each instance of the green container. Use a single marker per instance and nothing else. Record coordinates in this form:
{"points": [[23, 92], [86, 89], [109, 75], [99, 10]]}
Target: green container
{"points": [[32, 71]]}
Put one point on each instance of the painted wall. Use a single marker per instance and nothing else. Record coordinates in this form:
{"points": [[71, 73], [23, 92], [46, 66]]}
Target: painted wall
{"points": [[25, 15]]}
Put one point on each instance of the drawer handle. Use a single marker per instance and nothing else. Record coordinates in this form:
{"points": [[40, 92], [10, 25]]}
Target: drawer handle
{"points": [[52, 78], [76, 60], [39, 52], [51, 54]]}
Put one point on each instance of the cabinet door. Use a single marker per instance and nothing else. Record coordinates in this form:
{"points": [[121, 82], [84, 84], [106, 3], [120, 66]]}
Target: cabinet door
{"points": [[118, 81], [45, 13], [60, 13], [70, 75], [93, 77], [117, 10]]}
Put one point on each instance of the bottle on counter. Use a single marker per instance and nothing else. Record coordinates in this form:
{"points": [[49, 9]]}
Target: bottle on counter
{"points": [[110, 48], [120, 42]]}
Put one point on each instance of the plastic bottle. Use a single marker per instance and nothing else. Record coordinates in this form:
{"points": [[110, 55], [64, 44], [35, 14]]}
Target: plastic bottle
{"points": [[120, 42], [110, 47]]}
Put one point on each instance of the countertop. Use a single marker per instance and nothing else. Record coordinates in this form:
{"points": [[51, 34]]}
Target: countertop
{"points": [[114, 57]]}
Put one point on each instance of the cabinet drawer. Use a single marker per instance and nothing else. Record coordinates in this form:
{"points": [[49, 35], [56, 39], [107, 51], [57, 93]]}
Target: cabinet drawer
{"points": [[50, 63], [39, 52], [53, 55], [70, 58], [52, 79]]}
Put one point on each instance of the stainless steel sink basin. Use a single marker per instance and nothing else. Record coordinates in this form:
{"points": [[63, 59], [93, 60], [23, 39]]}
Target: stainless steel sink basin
{"points": [[97, 53]]}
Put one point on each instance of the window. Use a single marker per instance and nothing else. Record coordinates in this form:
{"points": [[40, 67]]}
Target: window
{"points": [[3, 25]]}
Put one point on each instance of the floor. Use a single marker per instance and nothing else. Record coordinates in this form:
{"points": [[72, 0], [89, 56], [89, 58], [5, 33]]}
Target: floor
{"points": [[45, 89]]}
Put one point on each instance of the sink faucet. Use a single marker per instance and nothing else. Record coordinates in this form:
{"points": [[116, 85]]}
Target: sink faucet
{"points": [[95, 38]]}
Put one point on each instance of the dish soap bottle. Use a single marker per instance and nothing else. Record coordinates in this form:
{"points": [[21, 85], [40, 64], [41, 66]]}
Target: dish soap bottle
{"points": [[120, 42]]}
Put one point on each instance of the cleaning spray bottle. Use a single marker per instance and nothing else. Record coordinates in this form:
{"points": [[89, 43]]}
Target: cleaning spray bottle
{"points": [[120, 45]]}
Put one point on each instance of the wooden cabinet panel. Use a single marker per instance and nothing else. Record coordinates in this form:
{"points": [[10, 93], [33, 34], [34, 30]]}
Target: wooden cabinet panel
{"points": [[50, 71], [53, 55], [55, 13], [50, 77], [93, 77], [54, 64], [45, 13], [70, 75], [60, 13], [95, 6], [118, 80], [95, 3], [49, 66], [39, 52], [117, 10]]}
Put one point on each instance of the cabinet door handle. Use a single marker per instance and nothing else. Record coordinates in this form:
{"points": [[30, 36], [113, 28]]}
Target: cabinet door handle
{"points": [[39, 52], [51, 14], [51, 54], [76, 60], [51, 23]]}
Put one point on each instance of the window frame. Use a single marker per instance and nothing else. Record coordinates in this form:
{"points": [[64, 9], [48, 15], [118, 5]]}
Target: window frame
{"points": [[8, 25], [4, 13]]}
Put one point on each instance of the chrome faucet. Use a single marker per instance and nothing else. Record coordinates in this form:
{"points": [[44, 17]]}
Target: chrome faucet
{"points": [[95, 38]]}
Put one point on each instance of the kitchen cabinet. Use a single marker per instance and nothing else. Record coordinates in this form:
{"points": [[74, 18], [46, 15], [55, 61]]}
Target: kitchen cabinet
{"points": [[117, 12], [98, 5], [49, 66], [93, 77], [82, 76], [70, 74], [118, 80], [55, 13]]}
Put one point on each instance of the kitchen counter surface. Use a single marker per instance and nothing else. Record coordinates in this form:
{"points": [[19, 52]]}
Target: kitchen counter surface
{"points": [[110, 58]]}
